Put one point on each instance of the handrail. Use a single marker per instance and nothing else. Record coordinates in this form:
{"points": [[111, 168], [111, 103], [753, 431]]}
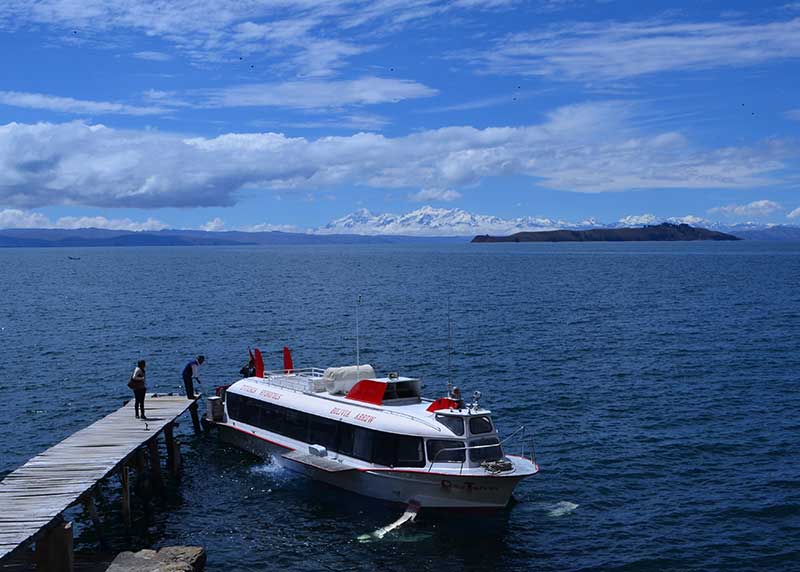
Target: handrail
{"points": [[500, 444], [467, 448]]}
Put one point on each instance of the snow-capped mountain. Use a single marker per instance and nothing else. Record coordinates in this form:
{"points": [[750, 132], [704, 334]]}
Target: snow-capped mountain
{"points": [[430, 221]]}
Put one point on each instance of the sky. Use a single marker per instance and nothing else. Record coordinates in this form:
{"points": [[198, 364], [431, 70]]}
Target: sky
{"points": [[287, 114]]}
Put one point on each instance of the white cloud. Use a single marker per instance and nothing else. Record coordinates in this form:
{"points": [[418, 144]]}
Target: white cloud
{"points": [[793, 114], [267, 227], [585, 148], [315, 36], [795, 213], [316, 94], [638, 220], [17, 218], [152, 56], [446, 195], [111, 224], [618, 50], [214, 225], [70, 105], [690, 219], [756, 208]]}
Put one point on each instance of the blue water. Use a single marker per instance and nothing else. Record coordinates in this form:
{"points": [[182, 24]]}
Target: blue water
{"points": [[661, 381]]}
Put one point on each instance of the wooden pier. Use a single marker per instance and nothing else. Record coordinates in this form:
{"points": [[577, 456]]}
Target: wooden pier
{"points": [[33, 497]]}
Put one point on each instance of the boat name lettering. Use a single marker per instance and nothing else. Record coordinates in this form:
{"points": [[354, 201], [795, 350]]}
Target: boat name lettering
{"points": [[249, 388], [340, 412], [270, 394], [364, 417], [467, 486]]}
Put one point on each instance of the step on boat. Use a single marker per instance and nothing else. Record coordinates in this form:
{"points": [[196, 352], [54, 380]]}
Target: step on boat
{"points": [[375, 436]]}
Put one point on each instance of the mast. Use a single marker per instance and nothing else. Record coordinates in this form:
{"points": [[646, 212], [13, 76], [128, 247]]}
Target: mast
{"points": [[358, 345], [449, 350]]}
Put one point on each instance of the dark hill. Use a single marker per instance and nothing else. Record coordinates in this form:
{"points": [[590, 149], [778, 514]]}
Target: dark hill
{"points": [[661, 232]]}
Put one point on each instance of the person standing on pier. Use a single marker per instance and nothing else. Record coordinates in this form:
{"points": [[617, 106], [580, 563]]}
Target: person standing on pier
{"points": [[190, 374], [139, 387]]}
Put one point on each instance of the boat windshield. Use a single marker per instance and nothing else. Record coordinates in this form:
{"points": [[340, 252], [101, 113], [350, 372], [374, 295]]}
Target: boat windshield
{"points": [[478, 425], [485, 452], [455, 424]]}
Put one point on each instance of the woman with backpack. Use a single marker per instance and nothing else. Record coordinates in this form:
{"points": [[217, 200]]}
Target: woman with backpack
{"points": [[137, 384]]}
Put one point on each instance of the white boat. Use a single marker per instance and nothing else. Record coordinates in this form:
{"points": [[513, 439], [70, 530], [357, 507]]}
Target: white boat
{"points": [[375, 436]]}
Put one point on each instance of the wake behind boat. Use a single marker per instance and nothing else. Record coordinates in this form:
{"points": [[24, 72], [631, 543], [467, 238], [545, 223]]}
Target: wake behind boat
{"points": [[375, 436]]}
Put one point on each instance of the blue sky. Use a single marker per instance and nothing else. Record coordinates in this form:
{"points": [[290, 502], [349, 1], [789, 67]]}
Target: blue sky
{"points": [[291, 113]]}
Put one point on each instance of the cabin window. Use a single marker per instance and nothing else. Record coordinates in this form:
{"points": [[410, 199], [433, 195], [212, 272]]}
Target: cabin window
{"points": [[362, 444], [397, 450], [271, 418], [400, 390], [232, 402], [455, 424], [478, 425], [409, 451], [383, 449], [322, 431], [345, 439], [485, 453], [295, 424], [439, 451]]}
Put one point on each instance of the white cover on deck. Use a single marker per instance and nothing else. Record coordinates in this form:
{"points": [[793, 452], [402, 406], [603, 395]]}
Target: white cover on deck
{"points": [[340, 380]]}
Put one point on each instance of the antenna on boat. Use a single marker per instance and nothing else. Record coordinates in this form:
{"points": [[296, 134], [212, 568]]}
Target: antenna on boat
{"points": [[449, 350], [358, 345]]}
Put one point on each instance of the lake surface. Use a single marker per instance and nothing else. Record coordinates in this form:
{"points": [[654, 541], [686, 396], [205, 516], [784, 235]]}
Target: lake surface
{"points": [[661, 381]]}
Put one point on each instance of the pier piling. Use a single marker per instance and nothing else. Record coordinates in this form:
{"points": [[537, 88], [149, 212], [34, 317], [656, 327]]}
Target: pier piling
{"points": [[124, 477], [155, 463], [54, 549], [34, 496]]}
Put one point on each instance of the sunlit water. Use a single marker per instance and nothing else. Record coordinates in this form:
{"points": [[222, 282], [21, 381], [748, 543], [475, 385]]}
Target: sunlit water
{"points": [[661, 381]]}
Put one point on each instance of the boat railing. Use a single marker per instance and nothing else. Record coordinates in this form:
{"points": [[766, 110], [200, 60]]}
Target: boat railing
{"points": [[520, 437], [304, 379]]}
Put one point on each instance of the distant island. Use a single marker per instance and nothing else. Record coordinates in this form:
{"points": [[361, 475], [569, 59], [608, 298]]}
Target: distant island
{"points": [[661, 232]]}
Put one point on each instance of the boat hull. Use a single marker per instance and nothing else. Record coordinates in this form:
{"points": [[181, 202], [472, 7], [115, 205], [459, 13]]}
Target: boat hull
{"points": [[430, 489]]}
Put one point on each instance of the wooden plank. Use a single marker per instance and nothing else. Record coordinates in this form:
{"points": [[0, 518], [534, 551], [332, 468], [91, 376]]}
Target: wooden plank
{"points": [[33, 496]]}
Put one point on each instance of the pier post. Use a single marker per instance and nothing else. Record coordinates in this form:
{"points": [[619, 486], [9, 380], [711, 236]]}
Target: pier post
{"points": [[54, 549], [169, 437], [142, 480], [176, 455], [91, 508], [155, 462], [195, 418], [124, 477]]}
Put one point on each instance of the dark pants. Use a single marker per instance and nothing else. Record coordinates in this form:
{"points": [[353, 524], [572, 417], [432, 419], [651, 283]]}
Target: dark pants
{"points": [[138, 396], [189, 385]]}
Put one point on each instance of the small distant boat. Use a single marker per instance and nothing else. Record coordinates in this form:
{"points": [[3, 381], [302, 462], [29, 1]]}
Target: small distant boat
{"points": [[74, 257], [375, 436]]}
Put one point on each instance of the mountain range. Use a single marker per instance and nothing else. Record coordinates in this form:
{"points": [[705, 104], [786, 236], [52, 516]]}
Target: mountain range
{"points": [[424, 224], [430, 221]]}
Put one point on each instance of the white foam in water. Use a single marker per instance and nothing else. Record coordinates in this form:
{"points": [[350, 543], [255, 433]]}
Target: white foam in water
{"points": [[269, 469], [561, 508], [408, 516]]}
